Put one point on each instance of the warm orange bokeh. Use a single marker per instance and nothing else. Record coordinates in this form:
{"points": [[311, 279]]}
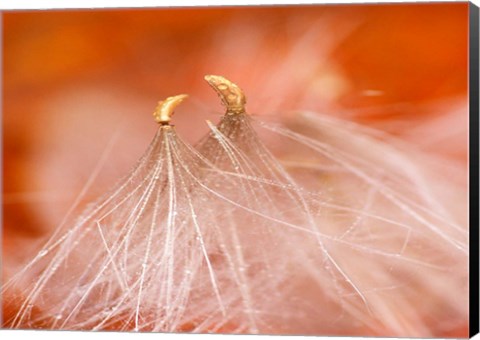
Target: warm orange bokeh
{"points": [[412, 55]]}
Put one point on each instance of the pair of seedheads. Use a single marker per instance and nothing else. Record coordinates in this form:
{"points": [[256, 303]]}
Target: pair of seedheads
{"points": [[231, 95]]}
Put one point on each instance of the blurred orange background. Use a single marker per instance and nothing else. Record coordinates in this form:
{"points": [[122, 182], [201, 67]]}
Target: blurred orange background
{"points": [[79, 82]]}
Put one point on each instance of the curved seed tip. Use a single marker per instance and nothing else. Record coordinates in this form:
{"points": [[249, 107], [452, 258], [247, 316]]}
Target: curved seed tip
{"points": [[164, 110], [231, 95]]}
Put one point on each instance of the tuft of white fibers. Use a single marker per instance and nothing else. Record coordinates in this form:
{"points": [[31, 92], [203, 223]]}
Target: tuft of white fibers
{"points": [[313, 226]]}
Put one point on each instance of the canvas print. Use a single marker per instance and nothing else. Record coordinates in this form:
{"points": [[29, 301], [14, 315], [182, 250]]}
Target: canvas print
{"points": [[294, 170]]}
